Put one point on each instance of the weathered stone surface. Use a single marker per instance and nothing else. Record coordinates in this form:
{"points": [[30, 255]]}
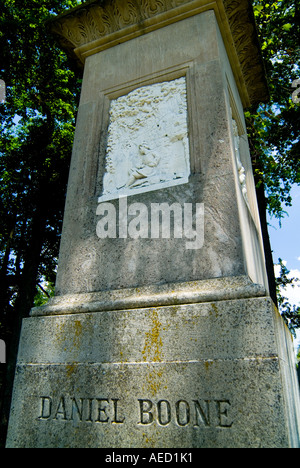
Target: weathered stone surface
{"points": [[88, 263], [217, 289], [201, 375], [183, 333], [149, 341]]}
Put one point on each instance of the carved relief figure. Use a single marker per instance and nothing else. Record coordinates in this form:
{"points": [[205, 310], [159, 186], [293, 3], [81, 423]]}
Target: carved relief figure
{"points": [[145, 171], [240, 167], [147, 139]]}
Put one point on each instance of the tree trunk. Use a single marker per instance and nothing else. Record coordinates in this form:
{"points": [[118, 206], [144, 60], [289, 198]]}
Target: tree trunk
{"points": [[23, 305]]}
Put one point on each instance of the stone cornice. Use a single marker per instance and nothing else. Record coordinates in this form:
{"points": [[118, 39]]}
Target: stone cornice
{"points": [[195, 292], [98, 25], [243, 29]]}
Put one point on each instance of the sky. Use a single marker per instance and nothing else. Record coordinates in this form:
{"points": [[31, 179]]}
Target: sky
{"points": [[285, 243]]}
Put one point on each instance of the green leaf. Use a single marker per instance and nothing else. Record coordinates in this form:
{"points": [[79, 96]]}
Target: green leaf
{"points": [[287, 26]]}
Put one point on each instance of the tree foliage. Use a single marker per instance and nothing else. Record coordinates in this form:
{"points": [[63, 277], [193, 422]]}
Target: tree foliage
{"points": [[274, 128], [37, 127], [289, 312], [37, 124]]}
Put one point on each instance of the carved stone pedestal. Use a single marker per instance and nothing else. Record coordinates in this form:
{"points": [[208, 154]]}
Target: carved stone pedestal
{"points": [[204, 374], [162, 332]]}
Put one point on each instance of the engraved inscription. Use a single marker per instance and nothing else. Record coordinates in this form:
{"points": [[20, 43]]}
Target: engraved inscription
{"points": [[97, 410], [199, 414]]}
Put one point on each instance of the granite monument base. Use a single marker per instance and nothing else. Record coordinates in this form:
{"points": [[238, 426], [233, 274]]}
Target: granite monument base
{"points": [[207, 374]]}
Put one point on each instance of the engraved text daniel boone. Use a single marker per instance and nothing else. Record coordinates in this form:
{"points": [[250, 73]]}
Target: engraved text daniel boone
{"points": [[198, 413]]}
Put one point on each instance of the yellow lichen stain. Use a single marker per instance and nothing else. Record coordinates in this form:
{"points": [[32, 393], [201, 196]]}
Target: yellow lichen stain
{"points": [[60, 332], [71, 368], [208, 364], [122, 359], [78, 327], [152, 352], [215, 309], [148, 441], [67, 332], [153, 344], [77, 332], [154, 382]]}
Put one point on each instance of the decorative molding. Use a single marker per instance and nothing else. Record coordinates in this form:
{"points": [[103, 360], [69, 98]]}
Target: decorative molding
{"points": [[97, 25], [243, 30], [195, 292]]}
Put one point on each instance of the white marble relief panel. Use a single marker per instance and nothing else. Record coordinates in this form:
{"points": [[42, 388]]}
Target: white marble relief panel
{"points": [[240, 167], [148, 144]]}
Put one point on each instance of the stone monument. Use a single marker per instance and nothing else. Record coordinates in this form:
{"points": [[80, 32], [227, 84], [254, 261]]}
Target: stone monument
{"points": [[162, 332]]}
